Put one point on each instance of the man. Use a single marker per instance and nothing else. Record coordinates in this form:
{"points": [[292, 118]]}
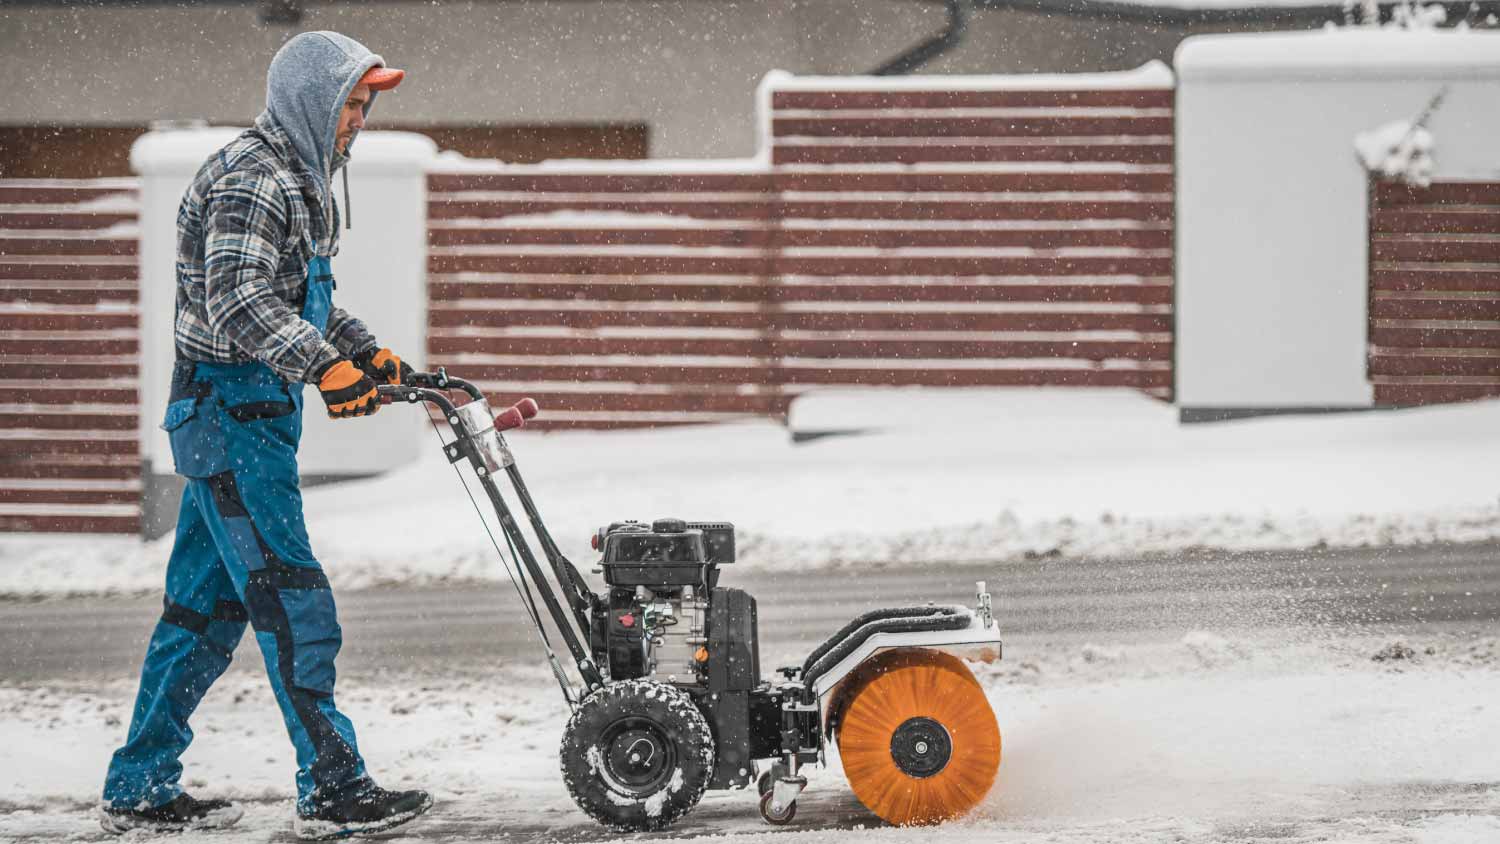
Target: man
{"points": [[255, 321]]}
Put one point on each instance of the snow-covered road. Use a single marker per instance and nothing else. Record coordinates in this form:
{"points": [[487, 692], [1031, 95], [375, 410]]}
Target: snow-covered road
{"points": [[1200, 738], [1198, 698]]}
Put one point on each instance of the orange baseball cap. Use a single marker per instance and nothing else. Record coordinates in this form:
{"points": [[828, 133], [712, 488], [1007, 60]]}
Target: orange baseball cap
{"points": [[382, 78]]}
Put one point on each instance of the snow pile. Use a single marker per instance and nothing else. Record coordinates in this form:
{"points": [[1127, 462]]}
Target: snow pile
{"points": [[1398, 150], [938, 476], [1418, 16]]}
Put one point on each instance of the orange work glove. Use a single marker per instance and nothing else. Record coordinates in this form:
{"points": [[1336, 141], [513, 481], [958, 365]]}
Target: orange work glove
{"points": [[347, 391], [383, 365]]}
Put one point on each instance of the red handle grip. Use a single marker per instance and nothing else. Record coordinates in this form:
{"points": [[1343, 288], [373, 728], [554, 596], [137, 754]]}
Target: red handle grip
{"points": [[516, 415]]}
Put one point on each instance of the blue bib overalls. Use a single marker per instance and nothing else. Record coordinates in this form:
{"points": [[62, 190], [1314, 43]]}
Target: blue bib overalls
{"points": [[241, 554]]}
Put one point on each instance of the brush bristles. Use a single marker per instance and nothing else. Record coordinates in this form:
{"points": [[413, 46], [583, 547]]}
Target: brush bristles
{"points": [[890, 690]]}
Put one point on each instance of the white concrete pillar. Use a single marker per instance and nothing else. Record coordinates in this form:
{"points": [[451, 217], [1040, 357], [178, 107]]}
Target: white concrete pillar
{"points": [[381, 275]]}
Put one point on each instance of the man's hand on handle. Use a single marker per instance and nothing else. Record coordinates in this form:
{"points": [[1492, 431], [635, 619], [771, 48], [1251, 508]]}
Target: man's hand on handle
{"points": [[384, 366], [347, 391]]}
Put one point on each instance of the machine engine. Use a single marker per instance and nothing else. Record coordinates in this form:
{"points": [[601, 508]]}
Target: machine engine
{"points": [[666, 619]]}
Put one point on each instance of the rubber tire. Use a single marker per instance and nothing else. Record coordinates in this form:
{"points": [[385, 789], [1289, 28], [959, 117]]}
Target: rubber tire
{"points": [[776, 820], [917, 682], [678, 718]]}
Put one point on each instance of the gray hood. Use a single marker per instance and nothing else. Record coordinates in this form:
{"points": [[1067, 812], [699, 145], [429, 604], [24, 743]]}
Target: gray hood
{"points": [[309, 80]]}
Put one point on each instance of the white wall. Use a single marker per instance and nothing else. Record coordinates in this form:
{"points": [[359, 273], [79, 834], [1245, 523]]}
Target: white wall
{"points": [[381, 277], [1272, 202], [685, 68]]}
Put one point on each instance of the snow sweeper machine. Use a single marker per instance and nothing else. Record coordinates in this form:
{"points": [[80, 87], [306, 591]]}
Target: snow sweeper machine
{"points": [[666, 691]]}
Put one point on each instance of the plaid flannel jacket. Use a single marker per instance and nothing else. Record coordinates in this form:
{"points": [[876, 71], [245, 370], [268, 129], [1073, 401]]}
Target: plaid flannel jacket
{"points": [[246, 229]]}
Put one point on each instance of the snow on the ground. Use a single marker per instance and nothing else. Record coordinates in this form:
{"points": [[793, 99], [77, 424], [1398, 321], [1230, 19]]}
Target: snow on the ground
{"points": [[1196, 739], [938, 475]]}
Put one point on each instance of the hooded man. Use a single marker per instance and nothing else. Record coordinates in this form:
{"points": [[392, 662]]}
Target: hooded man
{"points": [[255, 322]]}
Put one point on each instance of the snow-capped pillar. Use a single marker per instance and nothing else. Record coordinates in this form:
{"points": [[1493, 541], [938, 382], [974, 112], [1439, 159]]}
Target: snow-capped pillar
{"points": [[1272, 263], [381, 273]]}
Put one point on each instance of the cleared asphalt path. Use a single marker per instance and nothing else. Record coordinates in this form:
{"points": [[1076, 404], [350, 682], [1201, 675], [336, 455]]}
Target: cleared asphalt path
{"points": [[441, 629]]}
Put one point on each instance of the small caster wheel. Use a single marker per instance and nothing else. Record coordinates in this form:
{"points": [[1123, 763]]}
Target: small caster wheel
{"points": [[782, 818], [764, 784]]}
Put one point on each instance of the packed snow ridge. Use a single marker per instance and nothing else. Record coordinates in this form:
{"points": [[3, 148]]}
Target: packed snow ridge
{"points": [[908, 477]]}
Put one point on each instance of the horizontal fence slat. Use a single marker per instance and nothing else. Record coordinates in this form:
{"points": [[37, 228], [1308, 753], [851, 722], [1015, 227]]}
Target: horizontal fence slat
{"points": [[1437, 338], [1439, 193], [1434, 250], [855, 208], [69, 421], [833, 265], [967, 127], [12, 445], [1423, 394], [60, 192], [67, 296], [976, 182], [1436, 309], [478, 317], [46, 321], [977, 377], [599, 182], [1102, 151], [939, 99], [11, 247], [782, 292], [1404, 363], [42, 469], [68, 496], [51, 394], [1146, 236], [48, 371], [709, 209], [62, 345], [63, 219], [662, 236], [70, 270], [807, 321], [847, 265], [446, 346], [598, 264], [1454, 279], [1436, 220]]}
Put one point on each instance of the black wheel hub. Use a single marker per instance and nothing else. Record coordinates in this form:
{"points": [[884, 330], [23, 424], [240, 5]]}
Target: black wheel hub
{"points": [[638, 757], [921, 747]]}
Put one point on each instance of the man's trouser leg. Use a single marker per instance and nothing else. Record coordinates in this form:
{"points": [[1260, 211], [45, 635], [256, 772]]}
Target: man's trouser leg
{"points": [[201, 623], [292, 611], [234, 433]]}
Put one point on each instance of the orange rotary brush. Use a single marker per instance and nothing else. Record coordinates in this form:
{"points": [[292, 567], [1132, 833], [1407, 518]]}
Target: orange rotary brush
{"points": [[917, 737]]}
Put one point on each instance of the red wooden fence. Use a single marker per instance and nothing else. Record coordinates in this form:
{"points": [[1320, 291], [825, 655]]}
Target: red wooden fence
{"points": [[69, 455], [981, 237], [1435, 292]]}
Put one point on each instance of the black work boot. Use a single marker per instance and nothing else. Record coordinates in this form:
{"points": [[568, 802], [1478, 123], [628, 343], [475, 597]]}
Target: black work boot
{"points": [[183, 812], [371, 810]]}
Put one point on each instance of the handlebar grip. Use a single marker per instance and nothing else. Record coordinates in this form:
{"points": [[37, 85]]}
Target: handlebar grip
{"points": [[516, 415], [509, 418]]}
